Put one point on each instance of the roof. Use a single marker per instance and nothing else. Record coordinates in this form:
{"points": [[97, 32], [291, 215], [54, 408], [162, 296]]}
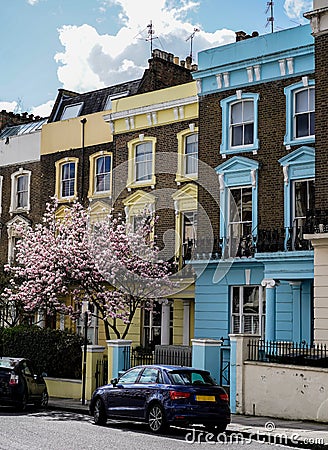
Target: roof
{"points": [[93, 101], [24, 128]]}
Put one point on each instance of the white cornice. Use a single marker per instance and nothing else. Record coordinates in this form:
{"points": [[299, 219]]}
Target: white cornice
{"points": [[150, 108]]}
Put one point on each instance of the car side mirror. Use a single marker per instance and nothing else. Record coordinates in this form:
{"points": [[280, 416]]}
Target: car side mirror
{"points": [[114, 381]]}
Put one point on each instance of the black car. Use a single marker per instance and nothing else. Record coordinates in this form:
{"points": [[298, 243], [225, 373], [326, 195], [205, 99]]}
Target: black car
{"points": [[20, 385], [161, 396]]}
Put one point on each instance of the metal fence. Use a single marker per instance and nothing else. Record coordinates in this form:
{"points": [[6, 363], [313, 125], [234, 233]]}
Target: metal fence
{"points": [[176, 355], [284, 352], [140, 357], [101, 373]]}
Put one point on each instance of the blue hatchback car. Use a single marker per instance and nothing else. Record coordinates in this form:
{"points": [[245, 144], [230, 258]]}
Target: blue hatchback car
{"points": [[161, 396]]}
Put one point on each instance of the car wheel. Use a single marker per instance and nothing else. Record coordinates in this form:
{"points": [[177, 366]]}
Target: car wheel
{"points": [[43, 402], [99, 413], [156, 418]]}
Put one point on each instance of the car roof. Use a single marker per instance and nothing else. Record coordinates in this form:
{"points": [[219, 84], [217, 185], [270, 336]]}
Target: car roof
{"points": [[171, 367], [8, 361]]}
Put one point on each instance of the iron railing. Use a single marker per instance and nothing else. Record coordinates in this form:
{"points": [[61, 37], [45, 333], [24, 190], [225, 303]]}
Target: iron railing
{"points": [[177, 355], [283, 352], [141, 356], [101, 373]]}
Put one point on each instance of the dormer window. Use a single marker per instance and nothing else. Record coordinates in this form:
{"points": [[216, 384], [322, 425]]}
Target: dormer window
{"points": [[71, 111], [108, 104]]}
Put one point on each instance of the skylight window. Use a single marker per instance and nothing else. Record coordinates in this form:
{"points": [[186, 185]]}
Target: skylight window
{"points": [[71, 111]]}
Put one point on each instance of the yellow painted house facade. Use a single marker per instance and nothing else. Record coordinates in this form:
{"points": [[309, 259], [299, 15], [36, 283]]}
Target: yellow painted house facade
{"points": [[125, 137]]}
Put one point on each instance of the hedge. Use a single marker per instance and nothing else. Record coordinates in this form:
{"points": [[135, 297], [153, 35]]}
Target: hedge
{"points": [[55, 352]]}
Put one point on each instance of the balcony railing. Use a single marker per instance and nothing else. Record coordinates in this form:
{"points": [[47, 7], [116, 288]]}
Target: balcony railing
{"points": [[288, 353], [259, 241]]}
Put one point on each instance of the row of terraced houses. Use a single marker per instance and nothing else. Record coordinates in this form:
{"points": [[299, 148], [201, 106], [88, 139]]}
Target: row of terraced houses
{"points": [[232, 156]]}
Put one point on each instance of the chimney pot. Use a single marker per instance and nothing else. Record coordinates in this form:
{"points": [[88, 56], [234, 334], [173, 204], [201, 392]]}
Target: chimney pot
{"points": [[176, 60], [240, 35], [182, 63]]}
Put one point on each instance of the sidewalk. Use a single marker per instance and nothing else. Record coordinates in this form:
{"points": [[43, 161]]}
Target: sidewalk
{"points": [[311, 435]]}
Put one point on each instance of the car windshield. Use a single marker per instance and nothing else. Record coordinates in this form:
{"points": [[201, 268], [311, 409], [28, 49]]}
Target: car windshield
{"points": [[191, 378], [7, 363]]}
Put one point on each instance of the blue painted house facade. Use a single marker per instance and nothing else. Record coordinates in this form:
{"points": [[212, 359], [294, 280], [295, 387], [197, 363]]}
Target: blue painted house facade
{"points": [[256, 133]]}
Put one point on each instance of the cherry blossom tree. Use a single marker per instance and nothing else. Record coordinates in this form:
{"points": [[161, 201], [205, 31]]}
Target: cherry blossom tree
{"points": [[113, 267]]}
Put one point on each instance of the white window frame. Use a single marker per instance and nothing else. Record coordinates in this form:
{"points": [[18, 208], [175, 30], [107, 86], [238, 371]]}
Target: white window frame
{"points": [[132, 181], [76, 107], [243, 123], [241, 315], [68, 180], [240, 222], [59, 181], [296, 114], [96, 174], [226, 148], [14, 208], [146, 161], [111, 97], [290, 91]]}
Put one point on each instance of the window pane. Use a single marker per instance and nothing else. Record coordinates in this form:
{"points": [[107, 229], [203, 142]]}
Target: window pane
{"points": [[103, 166], [235, 205], [192, 143], [237, 135], [235, 299], [22, 183], [144, 158], [130, 377], [302, 125], [21, 199], [68, 179], [248, 134], [248, 115], [303, 197], [65, 171], [311, 99], [312, 131], [71, 111], [191, 154], [236, 113], [251, 299], [302, 104], [247, 205]]}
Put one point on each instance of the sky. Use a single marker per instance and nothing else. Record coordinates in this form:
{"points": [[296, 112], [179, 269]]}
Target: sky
{"points": [[84, 45]]}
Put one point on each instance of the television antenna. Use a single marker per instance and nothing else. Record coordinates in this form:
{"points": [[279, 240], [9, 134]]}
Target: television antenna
{"points": [[151, 36], [270, 19], [191, 37]]}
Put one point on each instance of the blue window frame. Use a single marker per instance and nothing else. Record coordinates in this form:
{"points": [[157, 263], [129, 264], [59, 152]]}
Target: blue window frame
{"points": [[238, 202], [300, 113], [239, 123], [299, 173]]}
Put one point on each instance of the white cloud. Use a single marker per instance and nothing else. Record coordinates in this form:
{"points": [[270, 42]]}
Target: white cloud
{"points": [[32, 2], [91, 61], [9, 106], [43, 110], [295, 8]]}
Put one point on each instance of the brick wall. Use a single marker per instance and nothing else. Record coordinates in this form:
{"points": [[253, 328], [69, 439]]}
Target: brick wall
{"points": [[34, 214], [165, 180], [163, 73], [271, 132], [321, 121]]}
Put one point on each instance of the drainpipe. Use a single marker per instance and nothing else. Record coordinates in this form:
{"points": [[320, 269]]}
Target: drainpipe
{"points": [[83, 121]]}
